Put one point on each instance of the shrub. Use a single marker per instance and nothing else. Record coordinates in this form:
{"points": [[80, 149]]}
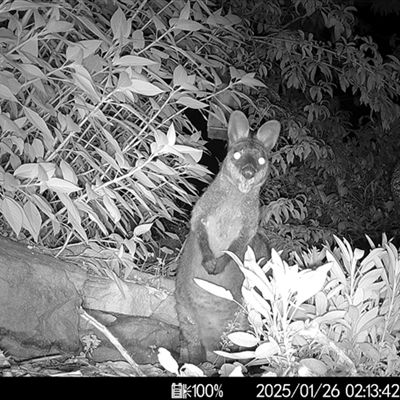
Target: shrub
{"points": [[95, 143], [333, 312]]}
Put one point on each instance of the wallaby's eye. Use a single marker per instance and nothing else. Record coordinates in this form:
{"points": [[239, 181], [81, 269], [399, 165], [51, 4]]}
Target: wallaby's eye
{"points": [[236, 155], [261, 160]]}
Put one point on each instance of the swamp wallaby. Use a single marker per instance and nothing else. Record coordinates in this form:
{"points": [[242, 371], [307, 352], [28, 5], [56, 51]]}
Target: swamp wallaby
{"points": [[224, 218]]}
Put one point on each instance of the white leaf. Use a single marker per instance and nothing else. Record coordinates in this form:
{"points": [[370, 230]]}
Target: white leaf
{"points": [[62, 186], [310, 282], [142, 229], [243, 355], [312, 367], [243, 339], [190, 370], [167, 361], [13, 213], [267, 349], [68, 172], [214, 289], [171, 135], [237, 371]]}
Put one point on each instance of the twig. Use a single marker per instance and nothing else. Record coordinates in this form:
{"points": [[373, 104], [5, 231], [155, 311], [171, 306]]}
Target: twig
{"points": [[113, 340]]}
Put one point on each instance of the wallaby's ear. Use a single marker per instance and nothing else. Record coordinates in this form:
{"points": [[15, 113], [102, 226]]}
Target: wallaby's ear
{"points": [[268, 134], [238, 127]]}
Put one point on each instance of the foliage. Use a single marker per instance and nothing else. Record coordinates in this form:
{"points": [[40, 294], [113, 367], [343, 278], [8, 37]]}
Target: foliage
{"points": [[331, 172], [169, 363], [95, 144], [333, 312]]}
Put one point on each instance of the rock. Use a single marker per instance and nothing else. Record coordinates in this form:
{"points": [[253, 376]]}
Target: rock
{"points": [[40, 299]]}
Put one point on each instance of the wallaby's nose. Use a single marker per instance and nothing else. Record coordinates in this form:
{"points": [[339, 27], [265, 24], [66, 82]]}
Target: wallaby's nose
{"points": [[248, 171]]}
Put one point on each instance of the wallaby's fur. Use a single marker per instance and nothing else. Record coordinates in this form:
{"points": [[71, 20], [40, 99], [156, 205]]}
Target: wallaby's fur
{"points": [[225, 218]]}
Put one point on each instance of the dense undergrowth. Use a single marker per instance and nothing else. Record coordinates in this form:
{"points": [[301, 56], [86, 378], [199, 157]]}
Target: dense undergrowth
{"points": [[97, 147], [333, 313]]}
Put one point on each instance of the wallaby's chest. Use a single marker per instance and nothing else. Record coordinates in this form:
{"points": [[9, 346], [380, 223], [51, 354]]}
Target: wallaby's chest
{"points": [[224, 217], [222, 229]]}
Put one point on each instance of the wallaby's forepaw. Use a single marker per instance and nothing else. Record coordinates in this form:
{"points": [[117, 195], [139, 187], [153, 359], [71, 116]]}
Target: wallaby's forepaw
{"points": [[210, 266], [216, 266]]}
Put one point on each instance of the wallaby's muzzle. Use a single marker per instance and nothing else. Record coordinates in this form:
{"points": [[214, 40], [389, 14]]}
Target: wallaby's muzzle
{"points": [[248, 171]]}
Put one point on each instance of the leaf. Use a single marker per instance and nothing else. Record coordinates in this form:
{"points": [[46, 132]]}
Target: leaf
{"points": [[92, 214], [112, 208], [73, 215], [68, 172], [248, 80], [84, 81], [38, 147], [145, 88], [34, 219], [83, 48], [346, 252], [214, 289], [243, 339], [43, 205], [158, 23], [138, 39], [13, 213], [372, 259], [190, 370], [73, 212], [38, 122], [31, 46], [86, 22], [256, 277], [312, 367], [167, 361], [267, 349], [134, 61], [119, 24], [32, 71], [10, 183], [185, 12], [185, 25], [243, 355], [370, 351], [336, 267], [109, 159], [55, 26], [257, 302], [131, 245], [142, 229], [62, 186], [368, 279], [321, 303], [29, 171], [191, 103], [236, 372], [231, 370], [311, 282], [89, 46], [180, 76], [368, 319], [195, 154], [144, 179], [171, 135], [331, 316], [6, 94], [22, 5]]}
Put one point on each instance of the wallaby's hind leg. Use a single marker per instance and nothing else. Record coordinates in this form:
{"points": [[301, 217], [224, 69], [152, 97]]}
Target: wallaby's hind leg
{"points": [[191, 348]]}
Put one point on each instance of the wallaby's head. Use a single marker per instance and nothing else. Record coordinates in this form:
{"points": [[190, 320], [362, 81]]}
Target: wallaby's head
{"points": [[246, 162]]}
